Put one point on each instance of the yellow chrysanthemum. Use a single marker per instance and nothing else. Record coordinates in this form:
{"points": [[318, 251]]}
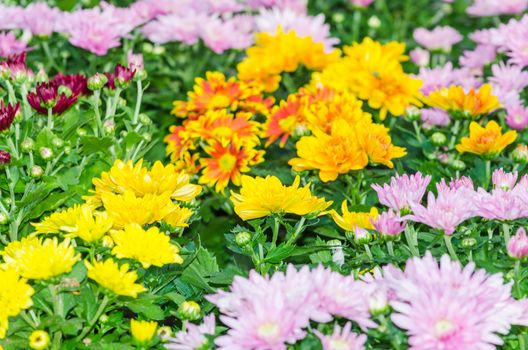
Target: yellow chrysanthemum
{"points": [[56, 221], [261, 197], [83, 222], [281, 52], [117, 279], [141, 181], [488, 141], [127, 208], [15, 296], [150, 247], [348, 221], [34, 258], [143, 331], [334, 154], [469, 105], [373, 72], [377, 144]]}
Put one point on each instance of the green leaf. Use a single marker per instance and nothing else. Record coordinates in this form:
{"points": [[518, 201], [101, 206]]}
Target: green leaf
{"points": [[91, 144], [132, 138], [176, 298], [280, 253], [146, 308]]}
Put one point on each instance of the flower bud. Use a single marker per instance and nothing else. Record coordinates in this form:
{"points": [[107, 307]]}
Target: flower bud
{"points": [[242, 238], [57, 142], [147, 136], [412, 114], [520, 154], [97, 81], [140, 75], [109, 126], [361, 236], [27, 145], [45, 153], [104, 318], [144, 119], [457, 164], [378, 303], [164, 332], [438, 139], [158, 50], [36, 171], [4, 219], [41, 76], [338, 17], [518, 245], [189, 310], [5, 157], [39, 340], [147, 48], [81, 131], [469, 242], [374, 22], [67, 149]]}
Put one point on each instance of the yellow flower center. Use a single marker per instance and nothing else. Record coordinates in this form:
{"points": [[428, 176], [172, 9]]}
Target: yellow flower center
{"points": [[227, 162], [219, 101], [268, 330], [337, 344], [223, 132], [443, 328]]}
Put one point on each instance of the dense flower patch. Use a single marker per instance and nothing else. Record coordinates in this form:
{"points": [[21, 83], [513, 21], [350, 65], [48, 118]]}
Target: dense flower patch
{"points": [[264, 175]]}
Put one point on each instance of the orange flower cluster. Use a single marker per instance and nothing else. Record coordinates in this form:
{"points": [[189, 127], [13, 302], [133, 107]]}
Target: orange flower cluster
{"points": [[219, 137]]}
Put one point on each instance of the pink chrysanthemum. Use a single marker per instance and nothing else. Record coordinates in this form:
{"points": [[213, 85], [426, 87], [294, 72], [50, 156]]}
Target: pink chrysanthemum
{"points": [[402, 191], [389, 223], [446, 211], [175, 28], [439, 38], [499, 205], [298, 6], [518, 245], [9, 45], [221, 35], [420, 57], [476, 59], [517, 116], [482, 8], [342, 338], [434, 117], [503, 180], [193, 337], [40, 18], [445, 306]]}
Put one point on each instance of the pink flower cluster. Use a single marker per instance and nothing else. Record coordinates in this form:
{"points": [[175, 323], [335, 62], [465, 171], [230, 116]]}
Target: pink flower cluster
{"points": [[440, 305], [270, 312], [482, 8], [221, 25], [439, 38], [455, 202]]}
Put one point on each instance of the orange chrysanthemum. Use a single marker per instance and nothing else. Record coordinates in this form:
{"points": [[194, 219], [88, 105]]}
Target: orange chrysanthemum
{"points": [[178, 142], [469, 105], [226, 164], [487, 142]]}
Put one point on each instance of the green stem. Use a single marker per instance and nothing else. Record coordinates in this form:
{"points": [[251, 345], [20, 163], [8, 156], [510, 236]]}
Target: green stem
{"points": [[275, 230], [522, 343], [390, 248], [449, 246], [10, 92], [369, 253], [409, 237], [356, 22], [50, 118], [49, 56], [298, 229], [138, 102], [417, 131], [93, 321], [25, 105], [456, 129], [488, 173], [506, 232], [98, 121], [517, 274]]}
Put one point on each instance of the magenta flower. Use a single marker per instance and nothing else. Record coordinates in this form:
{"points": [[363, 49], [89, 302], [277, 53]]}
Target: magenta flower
{"points": [[515, 43], [444, 76], [7, 115], [446, 211], [46, 96], [389, 223], [402, 191], [193, 337], [518, 245], [439, 38], [445, 306], [40, 19], [517, 117], [420, 57], [342, 338], [120, 77], [76, 83], [5, 157], [9, 45], [434, 117]]}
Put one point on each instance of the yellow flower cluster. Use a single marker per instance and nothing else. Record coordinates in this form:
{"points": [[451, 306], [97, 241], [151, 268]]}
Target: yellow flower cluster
{"points": [[343, 137], [123, 200], [281, 52], [261, 197], [373, 72], [220, 136]]}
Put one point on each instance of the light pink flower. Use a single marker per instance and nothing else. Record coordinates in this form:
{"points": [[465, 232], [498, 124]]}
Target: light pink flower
{"points": [[10, 16], [484, 8], [40, 19], [463, 183], [135, 61], [298, 6], [499, 205], [515, 42], [518, 245], [303, 25], [434, 117], [503, 180], [361, 3], [221, 35], [439, 38], [193, 337], [444, 76], [517, 116], [449, 307], [185, 29], [420, 57], [508, 77], [342, 338], [445, 211], [402, 191], [389, 223], [475, 60], [9, 45]]}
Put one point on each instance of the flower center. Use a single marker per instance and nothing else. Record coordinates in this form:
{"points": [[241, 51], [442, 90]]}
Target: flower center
{"points": [[443, 328], [268, 330], [219, 101], [227, 162], [338, 344]]}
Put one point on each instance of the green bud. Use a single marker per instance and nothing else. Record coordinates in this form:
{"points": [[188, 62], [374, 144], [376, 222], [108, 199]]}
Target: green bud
{"points": [[378, 303], [164, 332], [4, 219], [520, 154], [57, 142], [97, 81], [104, 318], [140, 75], [374, 22], [64, 90], [189, 310], [339, 17], [458, 165], [36, 171], [27, 145], [147, 136], [81, 131], [45, 153], [438, 139], [148, 48], [412, 114], [109, 126], [242, 238], [144, 119], [67, 149], [158, 50], [469, 242]]}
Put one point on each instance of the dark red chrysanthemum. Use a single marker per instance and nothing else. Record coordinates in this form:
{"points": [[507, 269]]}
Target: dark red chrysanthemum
{"points": [[47, 96], [5, 157], [16, 64], [7, 115], [121, 76], [77, 83]]}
